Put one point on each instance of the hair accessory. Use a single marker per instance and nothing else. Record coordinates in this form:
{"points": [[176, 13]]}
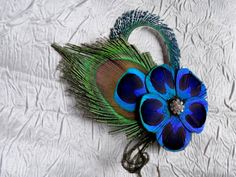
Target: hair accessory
{"points": [[118, 85]]}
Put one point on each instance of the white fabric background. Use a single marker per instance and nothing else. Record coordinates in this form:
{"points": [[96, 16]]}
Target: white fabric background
{"points": [[41, 132]]}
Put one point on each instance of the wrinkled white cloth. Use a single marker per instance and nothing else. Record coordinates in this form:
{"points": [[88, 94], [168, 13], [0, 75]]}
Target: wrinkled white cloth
{"points": [[41, 132]]}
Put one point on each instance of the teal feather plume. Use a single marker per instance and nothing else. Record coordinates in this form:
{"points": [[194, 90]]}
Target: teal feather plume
{"points": [[79, 66], [136, 18]]}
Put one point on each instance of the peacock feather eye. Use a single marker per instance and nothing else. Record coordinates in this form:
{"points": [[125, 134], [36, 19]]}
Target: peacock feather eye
{"points": [[129, 89], [153, 111], [159, 77], [174, 136], [198, 115], [149, 111], [173, 140], [160, 80], [194, 115], [188, 85], [189, 80]]}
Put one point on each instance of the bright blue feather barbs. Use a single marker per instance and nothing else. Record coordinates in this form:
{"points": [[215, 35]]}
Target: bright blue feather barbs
{"points": [[173, 106], [117, 84]]}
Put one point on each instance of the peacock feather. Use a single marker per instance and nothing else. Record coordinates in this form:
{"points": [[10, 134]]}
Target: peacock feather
{"points": [[133, 19], [93, 71], [118, 85]]}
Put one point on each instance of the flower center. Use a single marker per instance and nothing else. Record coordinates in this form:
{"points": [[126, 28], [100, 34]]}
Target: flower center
{"points": [[176, 106]]}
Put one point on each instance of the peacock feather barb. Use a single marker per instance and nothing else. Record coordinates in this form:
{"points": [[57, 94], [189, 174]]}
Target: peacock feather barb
{"points": [[118, 85], [131, 20]]}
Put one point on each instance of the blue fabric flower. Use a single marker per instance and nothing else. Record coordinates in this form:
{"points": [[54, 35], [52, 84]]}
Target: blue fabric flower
{"points": [[174, 107], [170, 103]]}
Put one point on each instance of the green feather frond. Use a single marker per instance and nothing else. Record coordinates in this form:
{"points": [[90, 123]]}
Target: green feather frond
{"points": [[78, 67], [116, 49], [131, 20]]}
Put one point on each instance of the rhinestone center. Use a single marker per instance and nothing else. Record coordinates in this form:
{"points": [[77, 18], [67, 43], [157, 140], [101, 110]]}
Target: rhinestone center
{"points": [[176, 106]]}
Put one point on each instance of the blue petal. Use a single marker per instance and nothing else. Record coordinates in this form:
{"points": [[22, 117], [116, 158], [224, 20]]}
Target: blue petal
{"points": [[194, 115], [174, 136], [188, 85], [153, 111], [130, 88], [160, 80]]}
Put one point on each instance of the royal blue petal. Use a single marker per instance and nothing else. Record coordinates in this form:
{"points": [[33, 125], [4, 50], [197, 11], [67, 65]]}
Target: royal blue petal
{"points": [[130, 88], [153, 111], [194, 115], [188, 85], [160, 80], [174, 136]]}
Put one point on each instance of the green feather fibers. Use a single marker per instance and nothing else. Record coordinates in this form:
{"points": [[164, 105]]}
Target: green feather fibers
{"points": [[136, 18], [79, 66]]}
